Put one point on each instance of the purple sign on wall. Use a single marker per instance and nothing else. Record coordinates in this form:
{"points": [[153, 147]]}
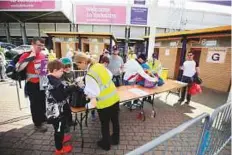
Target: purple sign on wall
{"points": [[138, 16], [140, 2]]}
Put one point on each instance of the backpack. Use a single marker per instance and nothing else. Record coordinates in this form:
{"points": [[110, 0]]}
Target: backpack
{"points": [[11, 70], [78, 99]]}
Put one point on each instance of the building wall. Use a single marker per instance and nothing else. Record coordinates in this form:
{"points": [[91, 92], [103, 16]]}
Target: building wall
{"points": [[215, 76], [168, 61]]}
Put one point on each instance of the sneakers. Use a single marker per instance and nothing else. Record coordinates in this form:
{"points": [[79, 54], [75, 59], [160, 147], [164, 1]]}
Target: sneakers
{"points": [[65, 149], [41, 129], [67, 138]]}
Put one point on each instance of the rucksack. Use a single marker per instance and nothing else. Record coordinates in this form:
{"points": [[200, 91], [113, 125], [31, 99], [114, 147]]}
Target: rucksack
{"points": [[78, 99], [11, 70]]}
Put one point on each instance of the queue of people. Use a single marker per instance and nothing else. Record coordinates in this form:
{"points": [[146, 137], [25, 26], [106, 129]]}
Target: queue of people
{"points": [[51, 104]]}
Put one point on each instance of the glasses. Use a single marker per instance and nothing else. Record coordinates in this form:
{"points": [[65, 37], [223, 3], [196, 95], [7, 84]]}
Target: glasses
{"points": [[40, 45]]}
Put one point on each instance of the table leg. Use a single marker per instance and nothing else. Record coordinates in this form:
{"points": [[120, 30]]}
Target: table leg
{"points": [[81, 130], [75, 122], [142, 113], [86, 118], [167, 95], [153, 108]]}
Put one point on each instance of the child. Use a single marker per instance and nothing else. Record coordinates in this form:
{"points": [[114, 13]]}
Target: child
{"points": [[56, 98], [68, 78]]}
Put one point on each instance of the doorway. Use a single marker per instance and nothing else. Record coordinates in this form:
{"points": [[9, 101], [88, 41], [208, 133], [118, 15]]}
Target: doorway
{"points": [[58, 49], [177, 64], [156, 52], [197, 54], [85, 47]]}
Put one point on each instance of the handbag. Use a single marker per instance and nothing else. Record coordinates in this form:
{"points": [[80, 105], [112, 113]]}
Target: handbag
{"points": [[79, 99]]}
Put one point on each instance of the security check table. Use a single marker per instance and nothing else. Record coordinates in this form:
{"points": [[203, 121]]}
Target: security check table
{"points": [[130, 93]]}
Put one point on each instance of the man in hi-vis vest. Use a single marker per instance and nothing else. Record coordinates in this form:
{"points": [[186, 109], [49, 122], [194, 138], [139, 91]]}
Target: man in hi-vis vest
{"points": [[100, 88]]}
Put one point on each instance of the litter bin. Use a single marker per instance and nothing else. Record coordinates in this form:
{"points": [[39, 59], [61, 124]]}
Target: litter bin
{"points": [[164, 74]]}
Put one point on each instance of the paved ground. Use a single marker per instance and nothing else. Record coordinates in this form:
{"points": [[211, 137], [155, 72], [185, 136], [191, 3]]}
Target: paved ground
{"points": [[18, 137]]}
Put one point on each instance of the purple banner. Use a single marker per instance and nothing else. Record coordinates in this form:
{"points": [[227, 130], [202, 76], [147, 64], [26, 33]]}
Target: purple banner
{"points": [[138, 16], [140, 2], [43, 67]]}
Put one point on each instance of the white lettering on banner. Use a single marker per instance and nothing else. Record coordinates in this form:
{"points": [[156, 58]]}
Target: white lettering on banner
{"points": [[216, 55], [99, 12]]}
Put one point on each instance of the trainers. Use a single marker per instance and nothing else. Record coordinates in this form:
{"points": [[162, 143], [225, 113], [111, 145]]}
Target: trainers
{"points": [[65, 149], [41, 129], [67, 138]]}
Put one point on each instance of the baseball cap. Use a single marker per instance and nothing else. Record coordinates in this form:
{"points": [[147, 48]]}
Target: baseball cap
{"points": [[66, 61]]}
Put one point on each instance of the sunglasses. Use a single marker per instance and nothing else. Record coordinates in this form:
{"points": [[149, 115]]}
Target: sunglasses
{"points": [[67, 66]]}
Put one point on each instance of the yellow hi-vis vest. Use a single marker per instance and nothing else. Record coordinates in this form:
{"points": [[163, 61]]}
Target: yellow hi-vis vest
{"points": [[155, 66], [108, 94]]}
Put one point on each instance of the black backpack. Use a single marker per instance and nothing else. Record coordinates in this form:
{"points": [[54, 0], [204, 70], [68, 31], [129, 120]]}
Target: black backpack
{"points": [[11, 70], [79, 99]]}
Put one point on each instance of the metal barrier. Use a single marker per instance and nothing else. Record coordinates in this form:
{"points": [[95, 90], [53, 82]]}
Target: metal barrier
{"points": [[79, 73], [217, 131], [215, 135], [171, 146]]}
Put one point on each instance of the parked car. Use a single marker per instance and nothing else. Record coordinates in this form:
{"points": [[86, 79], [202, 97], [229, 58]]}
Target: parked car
{"points": [[6, 46], [22, 48]]}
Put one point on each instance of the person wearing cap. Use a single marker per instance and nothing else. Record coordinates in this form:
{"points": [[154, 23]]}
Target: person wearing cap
{"points": [[116, 66], [68, 79], [101, 90], [68, 75]]}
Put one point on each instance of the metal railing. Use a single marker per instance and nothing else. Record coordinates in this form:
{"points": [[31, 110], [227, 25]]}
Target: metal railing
{"points": [[165, 138], [215, 135], [79, 73], [217, 131]]}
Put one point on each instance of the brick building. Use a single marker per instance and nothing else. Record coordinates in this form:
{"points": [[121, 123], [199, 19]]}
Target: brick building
{"points": [[211, 47]]}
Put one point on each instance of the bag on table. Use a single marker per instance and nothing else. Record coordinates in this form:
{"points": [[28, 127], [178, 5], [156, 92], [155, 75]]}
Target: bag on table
{"points": [[194, 89], [149, 84], [78, 99]]}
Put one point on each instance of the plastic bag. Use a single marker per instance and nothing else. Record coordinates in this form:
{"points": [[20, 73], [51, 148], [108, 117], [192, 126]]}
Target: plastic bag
{"points": [[194, 89]]}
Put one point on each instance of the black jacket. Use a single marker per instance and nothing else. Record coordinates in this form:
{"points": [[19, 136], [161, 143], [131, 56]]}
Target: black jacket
{"points": [[60, 91]]}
